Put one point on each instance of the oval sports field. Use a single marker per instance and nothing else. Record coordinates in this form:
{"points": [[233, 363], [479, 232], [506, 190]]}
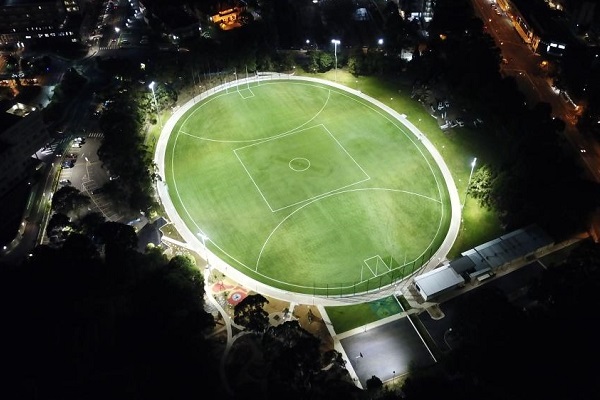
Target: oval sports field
{"points": [[305, 186]]}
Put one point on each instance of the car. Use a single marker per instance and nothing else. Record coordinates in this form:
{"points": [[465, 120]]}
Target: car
{"points": [[64, 182], [98, 190], [68, 164]]}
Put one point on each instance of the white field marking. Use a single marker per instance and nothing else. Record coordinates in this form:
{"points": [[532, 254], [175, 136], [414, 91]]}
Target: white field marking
{"points": [[346, 151], [395, 122], [259, 139], [333, 194], [322, 194], [377, 260], [368, 266], [253, 181], [243, 96], [309, 198], [269, 278], [187, 212], [243, 265]]}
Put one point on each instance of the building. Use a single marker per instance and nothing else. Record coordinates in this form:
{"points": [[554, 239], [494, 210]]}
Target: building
{"points": [[24, 21], [483, 261], [22, 133], [417, 9], [175, 21], [438, 281], [546, 30], [228, 19]]}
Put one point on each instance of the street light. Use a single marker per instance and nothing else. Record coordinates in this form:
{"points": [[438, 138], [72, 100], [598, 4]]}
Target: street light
{"points": [[151, 86], [335, 43], [469, 181]]}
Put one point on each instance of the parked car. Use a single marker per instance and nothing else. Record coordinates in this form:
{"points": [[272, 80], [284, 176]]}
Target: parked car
{"points": [[64, 182], [68, 163]]}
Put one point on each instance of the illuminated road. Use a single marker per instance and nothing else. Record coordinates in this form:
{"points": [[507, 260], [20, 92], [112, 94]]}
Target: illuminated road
{"points": [[526, 67]]}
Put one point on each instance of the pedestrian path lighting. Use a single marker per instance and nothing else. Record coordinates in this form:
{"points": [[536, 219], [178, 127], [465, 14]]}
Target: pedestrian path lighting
{"points": [[469, 181], [335, 43], [151, 86]]}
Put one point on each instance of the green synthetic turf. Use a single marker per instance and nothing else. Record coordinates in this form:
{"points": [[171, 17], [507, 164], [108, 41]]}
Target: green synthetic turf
{"points": [[306, 187]]}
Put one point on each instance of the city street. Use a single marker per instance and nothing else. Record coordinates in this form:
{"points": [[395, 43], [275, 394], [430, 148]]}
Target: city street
{"points": [[528, 69]]}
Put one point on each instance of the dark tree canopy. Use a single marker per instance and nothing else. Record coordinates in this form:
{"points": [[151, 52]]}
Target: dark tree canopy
{"points": [[250, 314]]}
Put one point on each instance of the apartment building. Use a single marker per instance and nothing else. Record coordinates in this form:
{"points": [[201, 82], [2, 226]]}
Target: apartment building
{"points": [[22, 133], [24, 21]]}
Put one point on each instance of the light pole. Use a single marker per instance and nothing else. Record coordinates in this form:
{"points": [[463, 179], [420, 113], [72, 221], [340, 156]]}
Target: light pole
{"points": [[469, 181], [335, 43], [151, 86], [204, 237], [449, 330]]}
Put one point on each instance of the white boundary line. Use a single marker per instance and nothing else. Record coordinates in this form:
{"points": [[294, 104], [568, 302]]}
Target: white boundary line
{"points": [[268, 290], [309, 198]]}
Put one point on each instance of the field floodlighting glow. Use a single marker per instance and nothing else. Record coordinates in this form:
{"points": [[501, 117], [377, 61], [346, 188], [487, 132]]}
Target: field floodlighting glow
{"points": [[335, 44]]}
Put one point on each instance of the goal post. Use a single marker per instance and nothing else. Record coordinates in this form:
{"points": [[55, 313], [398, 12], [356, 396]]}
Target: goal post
{"points": [[376, 266]]}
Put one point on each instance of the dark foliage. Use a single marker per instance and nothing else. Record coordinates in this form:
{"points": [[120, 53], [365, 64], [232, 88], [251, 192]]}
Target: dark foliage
{"points": [[74, 329]]}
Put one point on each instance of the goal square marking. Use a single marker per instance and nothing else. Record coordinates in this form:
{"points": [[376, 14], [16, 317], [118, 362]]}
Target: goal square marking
{"points": [[298, 167]]}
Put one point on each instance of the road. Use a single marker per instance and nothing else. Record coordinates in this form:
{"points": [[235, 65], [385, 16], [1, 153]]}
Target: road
{"points": [[528, 69]]}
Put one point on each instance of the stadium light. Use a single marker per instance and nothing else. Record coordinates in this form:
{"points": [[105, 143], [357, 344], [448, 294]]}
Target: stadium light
{"points": [[469, 181], [151, 86], [335, 43], [204, 237]]}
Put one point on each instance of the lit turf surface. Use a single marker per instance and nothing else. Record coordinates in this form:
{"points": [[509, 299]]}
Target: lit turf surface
{"points": [[306, 187]]}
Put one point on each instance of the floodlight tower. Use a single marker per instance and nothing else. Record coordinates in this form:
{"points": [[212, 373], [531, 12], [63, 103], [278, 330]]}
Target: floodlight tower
{"points": [[469, 181], [151, 86], [335, 44]]}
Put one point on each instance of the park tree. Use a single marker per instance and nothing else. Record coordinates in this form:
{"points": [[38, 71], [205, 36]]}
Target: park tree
{"points": [[250, 313], [90, 223], [141, 332], [374, 384], [120, 241], [69, 201], [57, 224]]}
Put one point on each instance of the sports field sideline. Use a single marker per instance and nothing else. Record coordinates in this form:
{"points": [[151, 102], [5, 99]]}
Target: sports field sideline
{"points": [[306, 186]]}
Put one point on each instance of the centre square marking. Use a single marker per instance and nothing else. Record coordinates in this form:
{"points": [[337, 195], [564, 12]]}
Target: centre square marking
{"points": [[267, 164]]}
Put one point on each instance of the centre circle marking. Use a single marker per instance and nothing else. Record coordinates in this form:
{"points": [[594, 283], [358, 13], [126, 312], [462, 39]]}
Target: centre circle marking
{"points": [[299, 164]]}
